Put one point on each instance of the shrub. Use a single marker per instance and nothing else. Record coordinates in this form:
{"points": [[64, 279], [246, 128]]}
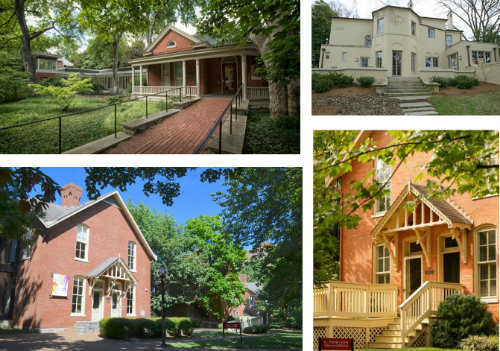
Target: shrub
{"points": [[115, 328], [51, 81], [257, 329], [64, 95], [321, 83], [137, 81], [97, 87], [13, 81], [123, 328], [366, 81], [459, 317], [464, 82], [341, 80], [443, 82], [480, 343], [114, 99]]}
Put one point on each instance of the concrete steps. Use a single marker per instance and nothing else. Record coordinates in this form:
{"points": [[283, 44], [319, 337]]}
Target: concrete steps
{"points": [[412, 94]]}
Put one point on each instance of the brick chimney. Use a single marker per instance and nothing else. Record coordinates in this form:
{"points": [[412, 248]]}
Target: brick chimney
{"points": [[71, 195], [243, 278]]}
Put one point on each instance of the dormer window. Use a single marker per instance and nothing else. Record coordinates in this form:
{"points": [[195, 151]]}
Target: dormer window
{"points": [[171, 44], [368, 41]]}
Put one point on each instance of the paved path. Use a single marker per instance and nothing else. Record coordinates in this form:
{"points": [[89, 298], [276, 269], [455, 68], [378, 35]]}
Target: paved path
{"points": [[179, 134], [69, 340], [416, 105]]}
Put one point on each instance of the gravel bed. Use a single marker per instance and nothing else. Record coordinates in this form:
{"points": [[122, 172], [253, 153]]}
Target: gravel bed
{"points": [[368, 104]]}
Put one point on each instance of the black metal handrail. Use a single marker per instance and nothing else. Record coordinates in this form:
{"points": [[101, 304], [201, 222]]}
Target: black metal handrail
{"points": [[236, 96], [82, 112]]}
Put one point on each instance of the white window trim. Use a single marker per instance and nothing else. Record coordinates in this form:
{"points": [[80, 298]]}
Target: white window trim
{"points": [[375, 263], [379, 27], [433, 33], [171, 46], [26, 250], [376, 211], [134, 299], [81, 314], [135, 256], [476, 287], [86, 259]]}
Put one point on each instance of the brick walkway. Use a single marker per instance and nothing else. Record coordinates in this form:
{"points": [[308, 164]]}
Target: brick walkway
{"points": [[180, 134]]}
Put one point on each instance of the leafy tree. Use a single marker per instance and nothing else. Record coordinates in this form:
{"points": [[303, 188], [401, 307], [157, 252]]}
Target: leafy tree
{"points": [[461, 163], [13, 81], [99, 53], [17, 208], [321, 25], [66, 93], [274, 27], [134, 50]]}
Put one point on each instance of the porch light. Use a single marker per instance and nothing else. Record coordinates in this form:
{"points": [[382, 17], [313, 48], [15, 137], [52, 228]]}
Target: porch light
{"points": [[162, 273]]}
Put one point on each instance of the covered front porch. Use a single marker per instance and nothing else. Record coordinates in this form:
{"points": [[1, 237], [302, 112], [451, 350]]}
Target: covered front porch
{"points": [[196, 73]]}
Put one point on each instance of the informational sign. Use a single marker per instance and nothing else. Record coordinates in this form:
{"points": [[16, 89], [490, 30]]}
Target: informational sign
{"points": [[232, 325], [335, 344], [60, 284]]}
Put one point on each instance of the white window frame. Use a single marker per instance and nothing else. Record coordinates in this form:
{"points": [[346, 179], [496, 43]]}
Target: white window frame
{"points": [[26, 250], [82, 307], [378, 60], [133, 257], [431, 33], [171, 46], [367, 61], [477, 263], [78, 227], [368, 38], [251, 301], [380, 25], [376, 266], [134, 297], [379, 162]]}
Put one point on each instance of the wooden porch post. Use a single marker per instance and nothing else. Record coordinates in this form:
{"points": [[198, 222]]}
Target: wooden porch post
{"points": [[244, 76], [198, 77], [184, 76], [133, 78], [140, 78]]}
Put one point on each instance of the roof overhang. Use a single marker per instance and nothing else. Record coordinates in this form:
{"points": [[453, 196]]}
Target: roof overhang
{"points": [[126, 212], [113, 268]]}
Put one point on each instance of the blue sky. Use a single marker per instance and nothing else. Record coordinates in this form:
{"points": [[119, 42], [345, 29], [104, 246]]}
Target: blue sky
{"points": [[193, 201]]}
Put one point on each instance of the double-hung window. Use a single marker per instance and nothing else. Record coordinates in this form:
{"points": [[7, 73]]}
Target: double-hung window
{"points": [[380, 25], [431, 33], [487, 262], [383, 177], [379, 59], [82, 242], [131, 301], [364, 62], [382, 265], [132, 256], [78, 296]]}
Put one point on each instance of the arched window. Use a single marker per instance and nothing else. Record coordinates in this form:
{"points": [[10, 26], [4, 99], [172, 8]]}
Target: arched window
{"points": [[486, 262], [171, 44], [368, 41], [131, 255]]}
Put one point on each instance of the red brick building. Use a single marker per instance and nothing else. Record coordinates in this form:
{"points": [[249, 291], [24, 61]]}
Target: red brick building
{"points": [[200, 65], [405, 262], [248, 307], [91, 262]]}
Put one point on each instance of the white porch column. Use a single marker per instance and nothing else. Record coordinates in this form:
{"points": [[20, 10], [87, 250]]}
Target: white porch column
{"points": [[198, 77], [140, 80], [184, 76], [244, 76], [133, 78]]}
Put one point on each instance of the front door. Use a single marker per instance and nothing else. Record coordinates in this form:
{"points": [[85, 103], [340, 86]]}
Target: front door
{"points": [[229, 72], [97, 305], [396, 63], [451, 267], [413, 271], [116, 304]]}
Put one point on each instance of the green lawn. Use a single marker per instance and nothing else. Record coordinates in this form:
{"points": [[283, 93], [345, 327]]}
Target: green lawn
{"points": [[76, 130], [480, 104], [213, 334], [266, 136], [281, 340], [418, 349]]}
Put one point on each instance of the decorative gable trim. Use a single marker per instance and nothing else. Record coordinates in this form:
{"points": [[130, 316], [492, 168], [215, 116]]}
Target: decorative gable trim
{"points": [[164, 33]]}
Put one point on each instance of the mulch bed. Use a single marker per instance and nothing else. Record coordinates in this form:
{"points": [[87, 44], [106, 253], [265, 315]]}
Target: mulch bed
{"points": [[483, 88], [354, 101]]}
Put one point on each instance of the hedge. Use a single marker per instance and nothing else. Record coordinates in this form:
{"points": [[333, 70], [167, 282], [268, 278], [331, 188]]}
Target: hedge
{"points": [[480, 343], [124, 328], [461, 82], [321, 83]]}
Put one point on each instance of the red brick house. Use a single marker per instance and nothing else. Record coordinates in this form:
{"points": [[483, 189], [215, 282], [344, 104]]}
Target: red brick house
{"points": [[248, 307], [91, 262], [397, 265], [200, 66]]}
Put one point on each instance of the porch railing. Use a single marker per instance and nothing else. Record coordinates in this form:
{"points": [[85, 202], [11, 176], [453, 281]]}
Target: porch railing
{"points": [[189, 90], [341, 299], [423, 303], [256, 93]]}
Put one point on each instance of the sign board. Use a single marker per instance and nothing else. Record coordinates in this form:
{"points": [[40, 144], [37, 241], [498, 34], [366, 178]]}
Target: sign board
{"points": [[231, 325], [60, 284], [335, 344]]}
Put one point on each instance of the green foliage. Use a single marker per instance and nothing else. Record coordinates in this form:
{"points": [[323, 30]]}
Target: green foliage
{"points": [[137, 81], [471, 105], [66, 93], [115, 99], [271, 136], [124, 328], [51, 81], [366, 81], [99, 53], [13, 81], [461, 82], [257, 329], [443, 82], [460, 316], [321, 24], [321, 83], [480, 343], [97, 87]]}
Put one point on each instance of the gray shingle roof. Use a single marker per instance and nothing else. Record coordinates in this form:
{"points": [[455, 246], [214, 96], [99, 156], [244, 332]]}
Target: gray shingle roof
{"points": [[206, 38], [100, 268], [254, 287], [445, 207]]}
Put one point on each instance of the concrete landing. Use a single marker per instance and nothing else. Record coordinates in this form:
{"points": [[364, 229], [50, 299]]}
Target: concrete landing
{"points": [[100, 145], [231, 143], [138, 125], [411, 98], [415, 104]]}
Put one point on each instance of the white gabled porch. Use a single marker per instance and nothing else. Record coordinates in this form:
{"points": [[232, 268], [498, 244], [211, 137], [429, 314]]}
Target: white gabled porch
{"points": [[369, 313]]}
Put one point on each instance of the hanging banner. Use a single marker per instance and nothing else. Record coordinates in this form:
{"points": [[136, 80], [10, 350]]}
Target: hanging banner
{"points": [[60, 284]]}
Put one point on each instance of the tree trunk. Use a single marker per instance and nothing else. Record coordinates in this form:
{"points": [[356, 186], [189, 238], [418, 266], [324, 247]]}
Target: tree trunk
{"points": [[149, 34], [28, 61], [278, 100], [114, 63], [294, 97]]}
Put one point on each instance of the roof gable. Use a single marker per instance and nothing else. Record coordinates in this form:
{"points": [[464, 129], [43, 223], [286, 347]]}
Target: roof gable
{"points": [[164, 33], [114, 268]]}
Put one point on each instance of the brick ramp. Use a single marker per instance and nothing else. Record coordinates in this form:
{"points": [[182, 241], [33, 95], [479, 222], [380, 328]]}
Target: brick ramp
{"points": [[179, 134]]}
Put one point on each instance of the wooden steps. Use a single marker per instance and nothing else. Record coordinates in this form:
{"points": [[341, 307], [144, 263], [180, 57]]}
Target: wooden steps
{"points": [[391, 337]]}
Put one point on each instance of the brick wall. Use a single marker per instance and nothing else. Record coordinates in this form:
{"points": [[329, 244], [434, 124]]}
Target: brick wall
{"points": [[357, 244], [109, 234], [182, 44]]}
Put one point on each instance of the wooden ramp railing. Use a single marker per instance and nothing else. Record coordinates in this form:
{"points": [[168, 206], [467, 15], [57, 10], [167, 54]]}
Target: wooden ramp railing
{"points": [[423, 303], [341, 299]]}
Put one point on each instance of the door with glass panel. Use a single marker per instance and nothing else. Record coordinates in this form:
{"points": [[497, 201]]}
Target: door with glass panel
{"points": [[396, 62]]}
